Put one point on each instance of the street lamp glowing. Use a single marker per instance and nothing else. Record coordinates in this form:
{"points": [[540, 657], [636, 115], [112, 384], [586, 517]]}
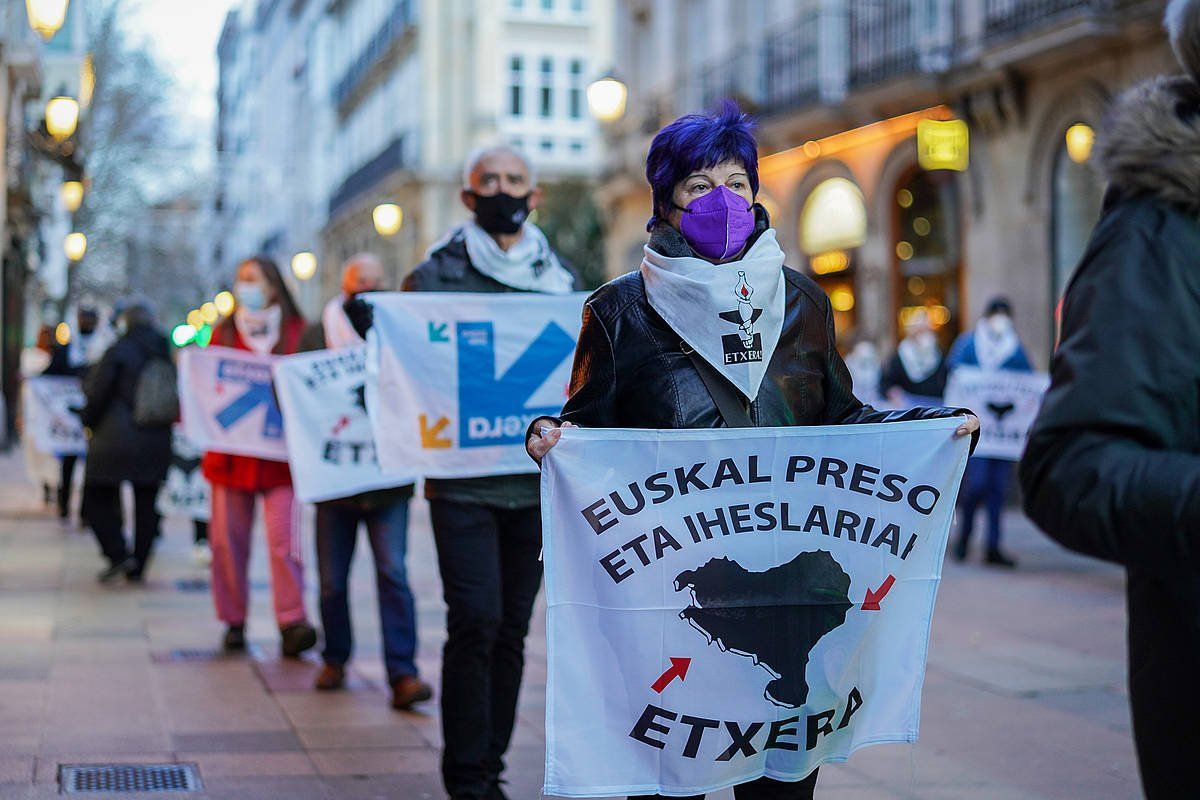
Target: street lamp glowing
{"points": [[304, 265], [1080, 138], [75, 246], [72, 195], [46, 16], [62, 334], [388, 218], [210, 313], [224, 303], [606, 99], [182, 335], [195, 318], [62, 117]]}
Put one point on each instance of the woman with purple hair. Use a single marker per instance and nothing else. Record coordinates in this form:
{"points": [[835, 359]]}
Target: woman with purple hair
{"points": [[712, 330]]}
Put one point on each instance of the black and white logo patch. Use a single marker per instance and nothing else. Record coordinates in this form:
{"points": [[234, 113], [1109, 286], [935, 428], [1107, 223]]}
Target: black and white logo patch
{"points": [[745, 346]]}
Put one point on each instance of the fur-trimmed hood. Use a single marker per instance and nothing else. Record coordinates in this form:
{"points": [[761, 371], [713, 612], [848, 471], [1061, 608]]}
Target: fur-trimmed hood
{"points": [[1150, 146]]}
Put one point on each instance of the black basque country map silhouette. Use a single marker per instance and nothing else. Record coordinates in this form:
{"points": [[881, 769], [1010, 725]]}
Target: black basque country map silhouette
{"points": [[774, 617]]}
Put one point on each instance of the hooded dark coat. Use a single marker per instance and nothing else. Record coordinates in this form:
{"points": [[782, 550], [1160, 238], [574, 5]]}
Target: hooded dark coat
{"points": [[1112, 468], [119, 449]]}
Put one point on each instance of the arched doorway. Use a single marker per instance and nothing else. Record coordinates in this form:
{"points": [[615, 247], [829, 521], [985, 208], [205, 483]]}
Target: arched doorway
{"points": [[927, 251], [1076, 196]]}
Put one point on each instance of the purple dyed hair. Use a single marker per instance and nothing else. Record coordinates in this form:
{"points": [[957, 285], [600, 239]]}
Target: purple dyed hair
{"points": [[699, 141]]}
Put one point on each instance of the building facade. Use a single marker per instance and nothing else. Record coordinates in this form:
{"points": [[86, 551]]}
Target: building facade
{"points": [[840, 88], [330, 108]]}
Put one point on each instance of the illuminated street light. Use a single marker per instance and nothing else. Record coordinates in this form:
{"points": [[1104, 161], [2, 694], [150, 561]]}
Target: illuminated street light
{"points": [[62, 117], [224, 303], [62, 334], [388, 218], [75, 246], [72, 195], [182, 335], [46, 16], [304, 265], [195, 318], [1080, 138], [210, 313], [606, 99]]}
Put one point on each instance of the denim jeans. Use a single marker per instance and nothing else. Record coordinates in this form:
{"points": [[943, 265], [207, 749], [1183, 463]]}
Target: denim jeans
{"points": [[986, 481], [387, 530], [491, 572], [762, 789]]}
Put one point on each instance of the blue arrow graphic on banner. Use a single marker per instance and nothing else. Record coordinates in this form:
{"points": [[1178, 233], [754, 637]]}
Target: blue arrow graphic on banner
{"points": [[493, 410], [258, 393]]}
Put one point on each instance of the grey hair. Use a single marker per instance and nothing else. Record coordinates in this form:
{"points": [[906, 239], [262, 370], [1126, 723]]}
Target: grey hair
{"points": [[1183, 26], [480, 153]]}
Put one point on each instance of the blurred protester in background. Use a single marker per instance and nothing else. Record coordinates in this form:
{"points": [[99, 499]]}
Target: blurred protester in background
{"points": [[1112, 468], [488, 530], [384, 512], [917, 370], [865, 370], [124, 445], [73, 359], [42, 468], [992, 345], [266, 320], [631, 370]]}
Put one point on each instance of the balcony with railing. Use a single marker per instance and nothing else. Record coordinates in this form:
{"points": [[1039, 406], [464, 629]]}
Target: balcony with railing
{"points": [[883, 41], [792, 65], [1008, 19], [395, 28]]}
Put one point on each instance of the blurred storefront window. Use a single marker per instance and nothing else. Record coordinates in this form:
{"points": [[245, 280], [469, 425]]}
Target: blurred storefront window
{"points": [[927, 251], [833, 225], [1076, 196]]}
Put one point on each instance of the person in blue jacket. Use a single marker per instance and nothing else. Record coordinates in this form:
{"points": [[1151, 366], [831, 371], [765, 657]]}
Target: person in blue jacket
{"points": [[992, 345]]}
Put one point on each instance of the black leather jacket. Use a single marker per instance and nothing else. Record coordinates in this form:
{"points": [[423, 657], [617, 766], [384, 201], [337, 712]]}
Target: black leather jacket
{"points": [[631, 372]]}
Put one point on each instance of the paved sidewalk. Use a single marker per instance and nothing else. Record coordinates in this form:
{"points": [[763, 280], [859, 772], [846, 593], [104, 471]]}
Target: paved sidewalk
{"points": [[1024, 696]]}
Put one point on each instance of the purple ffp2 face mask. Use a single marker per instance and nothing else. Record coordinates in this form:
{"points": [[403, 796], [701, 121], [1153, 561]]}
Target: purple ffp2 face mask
{"points": [[718, 224]]}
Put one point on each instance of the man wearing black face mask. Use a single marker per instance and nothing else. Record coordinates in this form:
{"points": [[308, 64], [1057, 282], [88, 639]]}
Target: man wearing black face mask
{"points": [[488, 530]]}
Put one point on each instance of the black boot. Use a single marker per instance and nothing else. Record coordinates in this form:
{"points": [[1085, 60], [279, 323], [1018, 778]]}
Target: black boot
{"points": [[116, 569], [959, 550], [235, 639], [297, 638], [996, 558]]}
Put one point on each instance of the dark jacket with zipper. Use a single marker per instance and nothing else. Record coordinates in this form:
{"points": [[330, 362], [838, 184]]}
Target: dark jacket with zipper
{"points": [[118, 448], [449, 269], [631, 370], [1112, 468]]}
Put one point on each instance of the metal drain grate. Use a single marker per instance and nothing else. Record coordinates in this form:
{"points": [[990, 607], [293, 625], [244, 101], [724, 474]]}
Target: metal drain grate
{"points": [[89, 778]]}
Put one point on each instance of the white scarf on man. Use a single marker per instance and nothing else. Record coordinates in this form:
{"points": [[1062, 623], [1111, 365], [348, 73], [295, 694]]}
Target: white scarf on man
{"points": [[731, 314], [339, 332], [529, 265], [992, 347], [259, 329], [919, 357]]}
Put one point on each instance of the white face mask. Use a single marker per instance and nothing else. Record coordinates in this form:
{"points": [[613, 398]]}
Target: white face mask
{"points": [[250, 295], [1000, 324]]}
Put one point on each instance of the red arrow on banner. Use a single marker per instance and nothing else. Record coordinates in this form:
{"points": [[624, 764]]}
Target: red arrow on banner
{"points": [[871, 601], [678, 669]]}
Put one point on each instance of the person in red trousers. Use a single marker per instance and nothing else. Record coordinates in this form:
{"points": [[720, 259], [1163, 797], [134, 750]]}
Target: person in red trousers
{"points": [[266, 320]]}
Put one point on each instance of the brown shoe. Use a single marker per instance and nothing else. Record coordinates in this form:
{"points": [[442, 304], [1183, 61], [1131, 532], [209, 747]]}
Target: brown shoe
{"points": [[408, 690], [332, 677]]}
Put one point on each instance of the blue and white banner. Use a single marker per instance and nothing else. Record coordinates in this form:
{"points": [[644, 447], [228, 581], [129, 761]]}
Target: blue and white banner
{"points": [[456, 378], [185, 493], [46, 405], [1006, 403], [330, 446], [228, 402], [728, 604]]}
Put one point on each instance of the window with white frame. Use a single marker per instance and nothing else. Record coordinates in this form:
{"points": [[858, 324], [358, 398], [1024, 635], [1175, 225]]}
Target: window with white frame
{"points": [[575, 90], [516, 85], [546, 92]]}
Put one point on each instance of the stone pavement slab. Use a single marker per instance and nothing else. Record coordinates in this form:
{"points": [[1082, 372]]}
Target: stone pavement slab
{"points": [[1024, 696]]}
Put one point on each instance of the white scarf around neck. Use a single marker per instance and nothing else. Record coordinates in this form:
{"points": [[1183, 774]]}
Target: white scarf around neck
{"points": [[992, 349], [731, 314], [919, 361], [529, 265], [259, 329], [339, 332]]}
